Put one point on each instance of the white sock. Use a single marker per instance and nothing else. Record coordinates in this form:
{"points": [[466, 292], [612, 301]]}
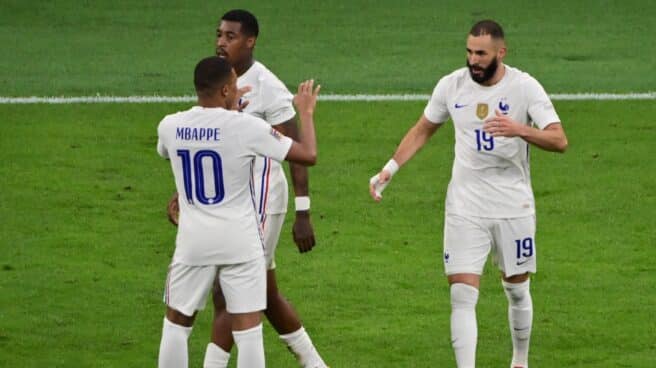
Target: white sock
{"points": [[520, 317], [463, 324], [215, 357], [173, 351], [300, 344], [250, 347]]}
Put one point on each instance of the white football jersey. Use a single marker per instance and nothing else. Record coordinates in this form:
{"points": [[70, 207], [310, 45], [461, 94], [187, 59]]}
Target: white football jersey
{"points": [[491, 176], [212, 153], [270, 101]]}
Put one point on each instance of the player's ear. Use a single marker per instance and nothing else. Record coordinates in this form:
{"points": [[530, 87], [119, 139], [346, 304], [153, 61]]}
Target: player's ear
{"points": [[502, 52], [501, 49], [250, 42]]}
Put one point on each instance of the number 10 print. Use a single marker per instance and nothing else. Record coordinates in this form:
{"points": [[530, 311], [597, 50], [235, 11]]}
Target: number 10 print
{"points": [[194, 169]]}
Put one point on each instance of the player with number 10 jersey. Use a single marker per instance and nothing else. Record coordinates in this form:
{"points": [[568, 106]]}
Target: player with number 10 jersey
{"points": [[212, 155]]}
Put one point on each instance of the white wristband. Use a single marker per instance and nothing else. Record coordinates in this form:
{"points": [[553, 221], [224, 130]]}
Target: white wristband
{"points": [[302, 203], [391, 166]]}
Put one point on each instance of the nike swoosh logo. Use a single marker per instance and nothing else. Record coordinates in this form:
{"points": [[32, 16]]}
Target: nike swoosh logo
{"points": [[522, 262], [458, 106]]}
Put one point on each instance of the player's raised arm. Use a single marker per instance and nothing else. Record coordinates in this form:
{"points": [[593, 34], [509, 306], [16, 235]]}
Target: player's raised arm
{"points": [[305, 150], [413, 140]]}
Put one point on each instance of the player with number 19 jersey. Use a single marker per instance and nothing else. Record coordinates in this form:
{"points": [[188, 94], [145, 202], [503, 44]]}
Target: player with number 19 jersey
{"points": [[490, 176], [212, 152]]}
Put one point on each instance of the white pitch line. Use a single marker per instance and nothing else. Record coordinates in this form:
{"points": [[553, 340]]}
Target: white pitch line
{"points": [[328, 97], [603, 96]]}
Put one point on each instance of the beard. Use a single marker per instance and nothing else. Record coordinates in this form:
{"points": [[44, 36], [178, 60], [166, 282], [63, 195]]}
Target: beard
{"points": [[487, 74]]}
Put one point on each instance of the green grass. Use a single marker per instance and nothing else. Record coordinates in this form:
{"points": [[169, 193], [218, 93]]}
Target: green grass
{"points": [[85, 242], [147, 47]]}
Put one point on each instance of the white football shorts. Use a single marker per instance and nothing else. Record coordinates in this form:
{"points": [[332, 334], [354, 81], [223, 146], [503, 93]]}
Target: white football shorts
{"points": [[243, 285], [469, 240], [272, 227]]}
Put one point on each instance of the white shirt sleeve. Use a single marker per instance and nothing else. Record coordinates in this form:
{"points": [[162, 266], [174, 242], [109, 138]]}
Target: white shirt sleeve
{"points": [[263, 140], [161, 148], [540, 109], [278, 107], [437, 110]]}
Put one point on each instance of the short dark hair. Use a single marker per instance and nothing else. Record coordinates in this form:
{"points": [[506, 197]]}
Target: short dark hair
{"points": [[248, 22], [211, 74], [487, 27]]}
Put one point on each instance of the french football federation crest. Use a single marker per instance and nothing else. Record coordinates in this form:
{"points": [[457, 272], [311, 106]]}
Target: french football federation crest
{"points": [[504, 107], [482, 110]]}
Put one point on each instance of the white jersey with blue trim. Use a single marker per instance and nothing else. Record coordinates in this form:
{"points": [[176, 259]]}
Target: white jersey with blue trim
{"points": [[212, 153], [491, 175], [270, 101]]}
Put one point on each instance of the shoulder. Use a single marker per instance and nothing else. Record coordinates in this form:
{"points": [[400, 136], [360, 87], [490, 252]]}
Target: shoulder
{"points": [[267, 78], [173, 119], [455, 79], [524, 79], [252, 130], [451, 82], [457, 76], [247, 122]]}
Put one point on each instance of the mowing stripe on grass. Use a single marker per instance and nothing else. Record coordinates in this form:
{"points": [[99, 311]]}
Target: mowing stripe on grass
{"points": [[348, 98]]}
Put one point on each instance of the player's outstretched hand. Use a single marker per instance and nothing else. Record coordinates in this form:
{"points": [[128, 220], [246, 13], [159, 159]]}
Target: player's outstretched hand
{"points": [[377, 184], [306, 97], [173, 209]]}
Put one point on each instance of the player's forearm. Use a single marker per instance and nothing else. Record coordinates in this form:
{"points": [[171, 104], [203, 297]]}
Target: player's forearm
{"points": [[550, 139], [408, 147], [299, 175], [413, 141], [307, 137]]}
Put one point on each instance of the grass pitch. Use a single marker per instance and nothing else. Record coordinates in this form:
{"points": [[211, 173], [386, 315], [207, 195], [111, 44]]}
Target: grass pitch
{"points": [[143, 48], [85, 242]]}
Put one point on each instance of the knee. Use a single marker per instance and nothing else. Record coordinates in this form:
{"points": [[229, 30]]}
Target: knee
{"points": [[463, 296], [274, 299], [518, 294], [245, 321], [178, 318]]}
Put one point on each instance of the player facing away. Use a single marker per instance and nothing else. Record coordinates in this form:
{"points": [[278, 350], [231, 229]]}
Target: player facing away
{"points": [[268, 99], [212, 150], [498, 111]]}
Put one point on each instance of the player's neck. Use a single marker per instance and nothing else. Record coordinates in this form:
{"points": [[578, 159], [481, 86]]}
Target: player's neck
{"points": [[498, 76], [214, 102], [242, 67]]}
